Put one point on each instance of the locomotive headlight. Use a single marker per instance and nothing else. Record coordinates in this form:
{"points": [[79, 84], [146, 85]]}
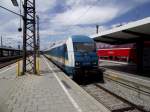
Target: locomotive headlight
{"points": [[94, 63], [77, 63]]}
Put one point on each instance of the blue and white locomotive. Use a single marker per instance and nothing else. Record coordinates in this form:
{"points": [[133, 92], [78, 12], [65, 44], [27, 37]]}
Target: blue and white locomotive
{"points": [[75, 56]]}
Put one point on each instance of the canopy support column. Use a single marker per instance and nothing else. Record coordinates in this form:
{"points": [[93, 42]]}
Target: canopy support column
{"points": [[140, 47]]}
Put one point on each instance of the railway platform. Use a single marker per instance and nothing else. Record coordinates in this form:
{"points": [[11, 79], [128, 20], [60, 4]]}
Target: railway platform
{"points": [[51, 91]]}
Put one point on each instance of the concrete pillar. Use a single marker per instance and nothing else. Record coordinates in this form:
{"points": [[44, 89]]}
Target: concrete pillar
{"points": [[140, 47], [1, 53]]}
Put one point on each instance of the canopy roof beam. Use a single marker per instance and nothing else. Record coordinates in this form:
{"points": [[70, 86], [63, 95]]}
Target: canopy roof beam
{"points": [[136, 33]]}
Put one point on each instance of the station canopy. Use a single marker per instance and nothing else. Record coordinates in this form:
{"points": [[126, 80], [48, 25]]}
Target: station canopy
{"points": [[128, 33]]}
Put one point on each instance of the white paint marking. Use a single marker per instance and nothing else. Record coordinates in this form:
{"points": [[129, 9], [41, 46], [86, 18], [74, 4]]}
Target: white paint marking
{"points": [[116, 62], [130, 76], [65, 90], [7, 69]]}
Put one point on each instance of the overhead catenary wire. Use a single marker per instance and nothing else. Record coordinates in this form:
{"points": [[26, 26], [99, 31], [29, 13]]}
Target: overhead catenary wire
{"points": [[86, 11], [90, 7], [11, 11], [82, 15]]}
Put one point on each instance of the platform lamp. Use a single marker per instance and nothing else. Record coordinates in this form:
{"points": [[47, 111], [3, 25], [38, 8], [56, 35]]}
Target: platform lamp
{"points": [[15, 3]]}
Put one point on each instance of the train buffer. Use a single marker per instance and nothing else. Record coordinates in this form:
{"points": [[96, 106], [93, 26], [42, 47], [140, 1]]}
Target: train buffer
{"points": [[51, 91]]}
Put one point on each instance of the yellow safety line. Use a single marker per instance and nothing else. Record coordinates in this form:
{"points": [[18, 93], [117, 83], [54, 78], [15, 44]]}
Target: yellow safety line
{"points": [[38, 66], [18, 68]]}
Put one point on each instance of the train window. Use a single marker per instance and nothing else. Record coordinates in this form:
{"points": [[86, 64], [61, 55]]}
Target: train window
{"points": [[84, 47], [5, 53]]}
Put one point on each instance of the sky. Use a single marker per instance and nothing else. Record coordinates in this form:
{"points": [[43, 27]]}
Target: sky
{"points": [[62, 18]]}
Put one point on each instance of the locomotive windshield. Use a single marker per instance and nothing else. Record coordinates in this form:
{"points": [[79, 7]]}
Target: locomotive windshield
{"points": [[84, 47]]}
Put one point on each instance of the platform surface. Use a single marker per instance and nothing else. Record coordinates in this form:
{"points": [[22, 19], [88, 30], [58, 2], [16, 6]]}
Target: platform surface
{"points": [[52, 91]]}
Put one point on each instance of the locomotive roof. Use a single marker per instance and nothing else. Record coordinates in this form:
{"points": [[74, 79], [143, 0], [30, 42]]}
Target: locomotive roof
{"points": [[56, 44], [127, 33], [81, 38], [75, 38]]}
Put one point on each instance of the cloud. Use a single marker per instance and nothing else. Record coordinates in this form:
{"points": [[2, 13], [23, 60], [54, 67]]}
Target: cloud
{"points": [[60, 18], [80, 17], [44, 5], [86, 13]]}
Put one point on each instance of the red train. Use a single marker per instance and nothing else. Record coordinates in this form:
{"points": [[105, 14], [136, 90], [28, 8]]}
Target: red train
{"points": [[123, 53]]}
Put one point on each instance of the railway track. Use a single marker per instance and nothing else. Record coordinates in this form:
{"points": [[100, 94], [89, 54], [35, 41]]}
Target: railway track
{"points": [[110, 100], [6, 63]]}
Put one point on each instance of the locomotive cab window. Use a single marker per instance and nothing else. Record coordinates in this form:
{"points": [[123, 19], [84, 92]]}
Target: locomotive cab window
{"points": [[84, 47]]}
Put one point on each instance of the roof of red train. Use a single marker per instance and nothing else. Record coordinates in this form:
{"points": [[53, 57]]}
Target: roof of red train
{"points": [[107, 46]]}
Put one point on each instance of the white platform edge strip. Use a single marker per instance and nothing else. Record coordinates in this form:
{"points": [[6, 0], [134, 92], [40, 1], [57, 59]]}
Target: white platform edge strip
{"points": [[116, 62], [63, 87]]}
